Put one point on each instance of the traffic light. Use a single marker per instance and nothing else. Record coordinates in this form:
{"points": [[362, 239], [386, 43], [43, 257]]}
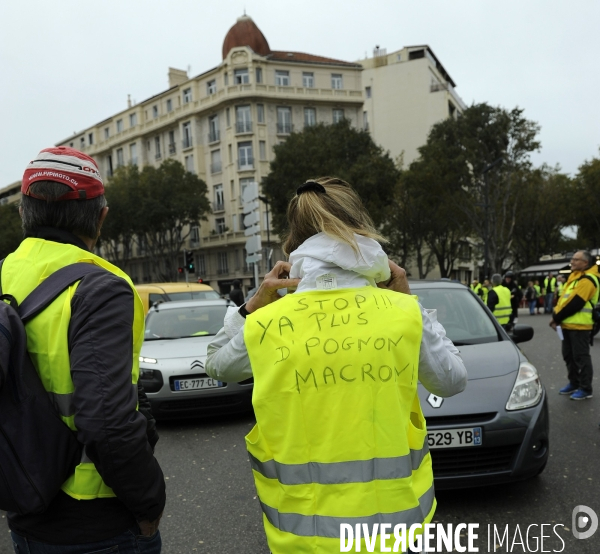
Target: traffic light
{"points": [[189, 262], [180, 270]]}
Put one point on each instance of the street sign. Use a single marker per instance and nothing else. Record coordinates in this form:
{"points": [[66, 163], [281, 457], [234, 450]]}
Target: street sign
{"points": [[253, 244], [251, 218], [253, 258], [255, 229], [250, 192]]}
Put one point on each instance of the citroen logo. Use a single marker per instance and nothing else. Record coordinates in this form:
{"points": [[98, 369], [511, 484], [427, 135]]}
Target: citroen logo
{"points": [[197, 365], [435, 401]]}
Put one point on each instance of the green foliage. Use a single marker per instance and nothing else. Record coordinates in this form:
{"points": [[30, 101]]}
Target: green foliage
{"points": [[336, 150], [11, 233], [585, 203], [153, 209]]}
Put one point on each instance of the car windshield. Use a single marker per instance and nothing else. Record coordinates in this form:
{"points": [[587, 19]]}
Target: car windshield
{"points": [[194, 295], [461, 314], [177, 323]]}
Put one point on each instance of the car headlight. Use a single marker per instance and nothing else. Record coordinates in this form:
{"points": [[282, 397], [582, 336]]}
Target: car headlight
{"points": [[148, 360], [527, 390]]}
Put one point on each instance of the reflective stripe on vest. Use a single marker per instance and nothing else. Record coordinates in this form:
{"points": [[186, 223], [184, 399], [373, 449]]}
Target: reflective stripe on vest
{"points": [[23, 270], [583, 316], [503, 309], [340, 436]]}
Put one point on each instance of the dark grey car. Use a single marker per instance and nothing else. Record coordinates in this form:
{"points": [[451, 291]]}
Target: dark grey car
{"points": [[496, 431]]}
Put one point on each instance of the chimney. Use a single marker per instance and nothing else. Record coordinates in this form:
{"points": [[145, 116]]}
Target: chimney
{"points": [[129, 100], [177, 77]]}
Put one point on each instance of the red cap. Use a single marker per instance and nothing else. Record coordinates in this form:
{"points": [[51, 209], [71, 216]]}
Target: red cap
{"points": [[67, 166]]}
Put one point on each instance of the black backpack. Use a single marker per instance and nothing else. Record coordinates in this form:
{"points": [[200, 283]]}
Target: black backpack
{"points": [[38, 451]]}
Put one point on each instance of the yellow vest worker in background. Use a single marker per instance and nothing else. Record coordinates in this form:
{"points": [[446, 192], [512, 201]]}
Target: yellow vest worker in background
{"points": [[573, 313], [340, 436], [498, 301], [550, 288], [85, 347], [478, 289]]}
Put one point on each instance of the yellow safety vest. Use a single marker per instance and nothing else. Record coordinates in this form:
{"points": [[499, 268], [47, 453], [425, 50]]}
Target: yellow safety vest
{"points": [[503, 309], [549, 284], [584, 316], [340, 435], [47, 338]]}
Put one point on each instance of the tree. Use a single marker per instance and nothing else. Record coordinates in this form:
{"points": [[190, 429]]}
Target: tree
{"points": [[463, 150], [11, 233], [337, 150], [585, 203], [154, 208]]}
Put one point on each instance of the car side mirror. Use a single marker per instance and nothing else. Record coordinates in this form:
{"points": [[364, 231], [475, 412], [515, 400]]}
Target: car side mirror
{"points": [[521, 333]]}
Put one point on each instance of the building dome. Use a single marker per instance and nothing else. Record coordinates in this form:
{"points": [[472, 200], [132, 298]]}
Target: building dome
{"points": [[246, 33]]}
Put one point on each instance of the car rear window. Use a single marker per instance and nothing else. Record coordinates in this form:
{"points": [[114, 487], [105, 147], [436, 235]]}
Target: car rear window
{"points": [[195, 295], [176, 323], [461, 314]]}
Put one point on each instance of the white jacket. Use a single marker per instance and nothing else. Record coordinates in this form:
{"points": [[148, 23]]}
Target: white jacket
{"points": [[322, 262]]}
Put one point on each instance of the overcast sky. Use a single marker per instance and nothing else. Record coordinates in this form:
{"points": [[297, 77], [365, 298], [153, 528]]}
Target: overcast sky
{"points": [[68, 64]]}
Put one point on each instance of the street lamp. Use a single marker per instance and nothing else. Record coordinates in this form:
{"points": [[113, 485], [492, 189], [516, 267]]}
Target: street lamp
{"points": [[266, 201], [486, 169]]}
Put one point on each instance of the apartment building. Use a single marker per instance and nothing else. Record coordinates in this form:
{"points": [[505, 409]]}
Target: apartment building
{"points": [[224, 123]]}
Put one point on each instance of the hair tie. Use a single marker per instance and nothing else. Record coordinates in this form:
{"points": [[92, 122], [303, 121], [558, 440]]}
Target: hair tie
{"points": [[312, 186]]}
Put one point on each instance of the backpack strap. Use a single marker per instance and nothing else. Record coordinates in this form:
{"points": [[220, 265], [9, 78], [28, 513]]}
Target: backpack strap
{"points": [[45, 293]]}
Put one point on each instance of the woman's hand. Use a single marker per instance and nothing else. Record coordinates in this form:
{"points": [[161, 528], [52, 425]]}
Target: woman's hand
{"points": [[277, 278], [398, 281]]}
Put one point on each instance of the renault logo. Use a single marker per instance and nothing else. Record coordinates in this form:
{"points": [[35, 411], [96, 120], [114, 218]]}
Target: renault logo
{"points": [[197, 365], [435, 401]]}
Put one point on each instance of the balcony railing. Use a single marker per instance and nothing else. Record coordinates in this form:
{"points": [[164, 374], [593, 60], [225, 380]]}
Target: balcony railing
{"points": [[243, 127], [172, 148], [284, 128], [222, 271], [215, 167], [187, 142], [218, 207], [214, 136], [246, 163]]}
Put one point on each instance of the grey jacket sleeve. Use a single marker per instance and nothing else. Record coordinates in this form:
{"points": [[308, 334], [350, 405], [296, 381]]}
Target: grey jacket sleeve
{"points": [[441, 369], [104, 400]]}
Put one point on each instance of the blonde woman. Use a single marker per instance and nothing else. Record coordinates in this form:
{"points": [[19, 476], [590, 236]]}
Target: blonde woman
{"points": [[340, 436]]}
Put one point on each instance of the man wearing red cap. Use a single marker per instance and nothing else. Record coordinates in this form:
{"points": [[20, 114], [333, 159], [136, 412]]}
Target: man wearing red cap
{"points": [[85, 347]]}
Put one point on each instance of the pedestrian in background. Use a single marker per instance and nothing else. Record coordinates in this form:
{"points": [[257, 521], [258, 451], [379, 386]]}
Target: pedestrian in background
{"points": [[531, 297], [560, 284], [86, 346], [550, 288], [477, 288], [515, 297], [574, 314], [540, 294], [328, 425], [236, 295], [498, 301], [486, 289]]}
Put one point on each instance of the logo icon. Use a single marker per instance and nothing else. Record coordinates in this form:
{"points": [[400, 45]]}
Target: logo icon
{"points": [[197, 366], [585, 522], [435, 401]]}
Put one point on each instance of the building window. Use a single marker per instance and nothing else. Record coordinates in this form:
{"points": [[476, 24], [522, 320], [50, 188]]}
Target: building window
{"points": [[106, 132], [241, 76], [365, 121], [187, 95], [220, 225], [259, 74], [219, 198], [260, 113], [189, 163], [120, 160], [109, 166], [243, 122], [451, 111], [262, 149], [215, 161], [195, 235], [133, 154], [119, 125], [172, 146], [132, 119], [338, 115], [308, 80], [222, 268], [90, 138], [213, 128], [200, 265], [227, 118], [157, 152], [211, 87], [187, 134], [226, 78], [284, 121], [310, 117], [245, 158], [154, 112], [282, 78], [169, 105], [82, 142], [336, 80], [368, 92]]}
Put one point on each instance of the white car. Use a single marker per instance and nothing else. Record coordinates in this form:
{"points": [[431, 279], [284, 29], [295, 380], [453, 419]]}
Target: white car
{"points": [[172, 361]]}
